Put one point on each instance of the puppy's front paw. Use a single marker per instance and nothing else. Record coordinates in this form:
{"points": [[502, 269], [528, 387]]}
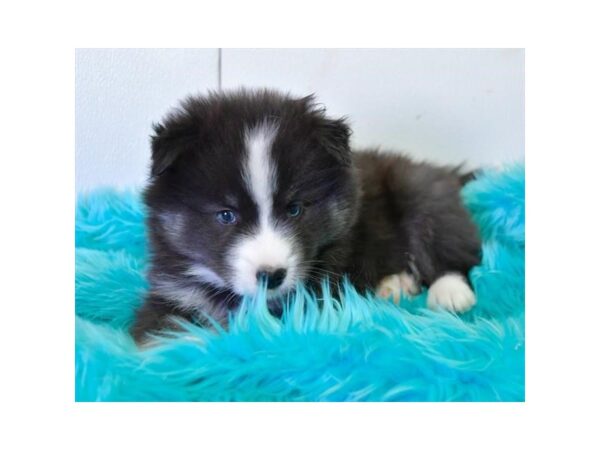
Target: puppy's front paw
{"points": [[393, 286], [451, 292]]}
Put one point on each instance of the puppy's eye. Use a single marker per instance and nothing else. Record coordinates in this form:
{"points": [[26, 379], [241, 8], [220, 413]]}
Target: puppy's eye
{"points": [[226, 217], [294, 209]]}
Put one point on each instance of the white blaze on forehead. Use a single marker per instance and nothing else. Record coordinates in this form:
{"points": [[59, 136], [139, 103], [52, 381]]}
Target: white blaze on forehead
{"points": [[266, 247], [259, 172]]}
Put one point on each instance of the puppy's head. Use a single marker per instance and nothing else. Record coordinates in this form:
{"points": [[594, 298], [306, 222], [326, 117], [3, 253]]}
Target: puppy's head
{"points": [[249, 186]]}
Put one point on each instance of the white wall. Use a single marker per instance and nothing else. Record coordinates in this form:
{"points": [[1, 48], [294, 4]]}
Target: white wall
{"points": [[118, 94], [444, 105]]}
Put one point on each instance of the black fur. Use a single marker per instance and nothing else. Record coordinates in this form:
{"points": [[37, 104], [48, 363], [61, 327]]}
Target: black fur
{"points": [[367, 214]]}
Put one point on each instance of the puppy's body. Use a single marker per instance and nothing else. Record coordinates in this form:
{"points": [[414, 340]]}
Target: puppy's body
{"points": [[411, 219], [257, 185]]}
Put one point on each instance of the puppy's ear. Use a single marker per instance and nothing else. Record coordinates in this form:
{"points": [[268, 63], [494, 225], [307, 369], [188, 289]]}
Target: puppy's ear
{"points": [[334, 135], [167, 147]]}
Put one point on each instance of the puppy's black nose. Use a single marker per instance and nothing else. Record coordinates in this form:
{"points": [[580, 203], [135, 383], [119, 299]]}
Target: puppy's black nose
{"points": [[273, 278]]}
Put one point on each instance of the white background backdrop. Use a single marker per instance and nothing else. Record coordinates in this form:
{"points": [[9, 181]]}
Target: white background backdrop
{"points": [[444, 105]]}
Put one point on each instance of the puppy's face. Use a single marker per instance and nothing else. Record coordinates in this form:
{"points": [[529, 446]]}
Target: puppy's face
{"points": [[248, 188]]}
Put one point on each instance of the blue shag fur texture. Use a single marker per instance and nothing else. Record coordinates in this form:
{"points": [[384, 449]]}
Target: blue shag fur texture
{"points": [[365, 350]]}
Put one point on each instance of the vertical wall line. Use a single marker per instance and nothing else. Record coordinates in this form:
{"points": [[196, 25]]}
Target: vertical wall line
{"points": [[219, 69]]}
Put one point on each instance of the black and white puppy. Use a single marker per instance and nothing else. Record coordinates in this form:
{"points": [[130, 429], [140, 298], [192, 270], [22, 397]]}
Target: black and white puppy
{"points": [[255, 186]]}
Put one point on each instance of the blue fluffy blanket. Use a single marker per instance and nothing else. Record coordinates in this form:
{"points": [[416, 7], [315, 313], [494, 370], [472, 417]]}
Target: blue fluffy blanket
{"points": [[368, 349]]}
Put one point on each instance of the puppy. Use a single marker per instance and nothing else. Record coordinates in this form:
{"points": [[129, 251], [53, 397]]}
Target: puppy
{"points": [[256, 187]]}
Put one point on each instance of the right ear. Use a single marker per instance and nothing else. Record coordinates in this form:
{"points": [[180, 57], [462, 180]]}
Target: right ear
{"points": [[166, 149]]}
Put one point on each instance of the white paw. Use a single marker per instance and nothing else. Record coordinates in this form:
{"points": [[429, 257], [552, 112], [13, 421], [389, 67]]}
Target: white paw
{"points": [[451, 292], [393, 286]]}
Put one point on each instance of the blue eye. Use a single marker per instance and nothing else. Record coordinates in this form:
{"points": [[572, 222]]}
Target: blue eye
{"points": [[226, 217], [294, 209]]}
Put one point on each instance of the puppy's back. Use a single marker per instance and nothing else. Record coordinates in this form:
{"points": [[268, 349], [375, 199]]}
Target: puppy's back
{"points": [[421, 202]]}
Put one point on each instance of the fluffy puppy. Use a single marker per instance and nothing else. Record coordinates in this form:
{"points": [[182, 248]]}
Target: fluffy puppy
{"points": [[254, 187]]}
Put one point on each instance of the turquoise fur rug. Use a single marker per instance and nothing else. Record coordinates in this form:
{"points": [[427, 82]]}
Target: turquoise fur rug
{"points": [[366, 350]]}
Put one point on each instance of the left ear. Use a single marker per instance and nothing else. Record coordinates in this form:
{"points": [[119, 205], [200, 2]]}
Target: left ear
{"points": [[334, 136], [167, 146]]}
